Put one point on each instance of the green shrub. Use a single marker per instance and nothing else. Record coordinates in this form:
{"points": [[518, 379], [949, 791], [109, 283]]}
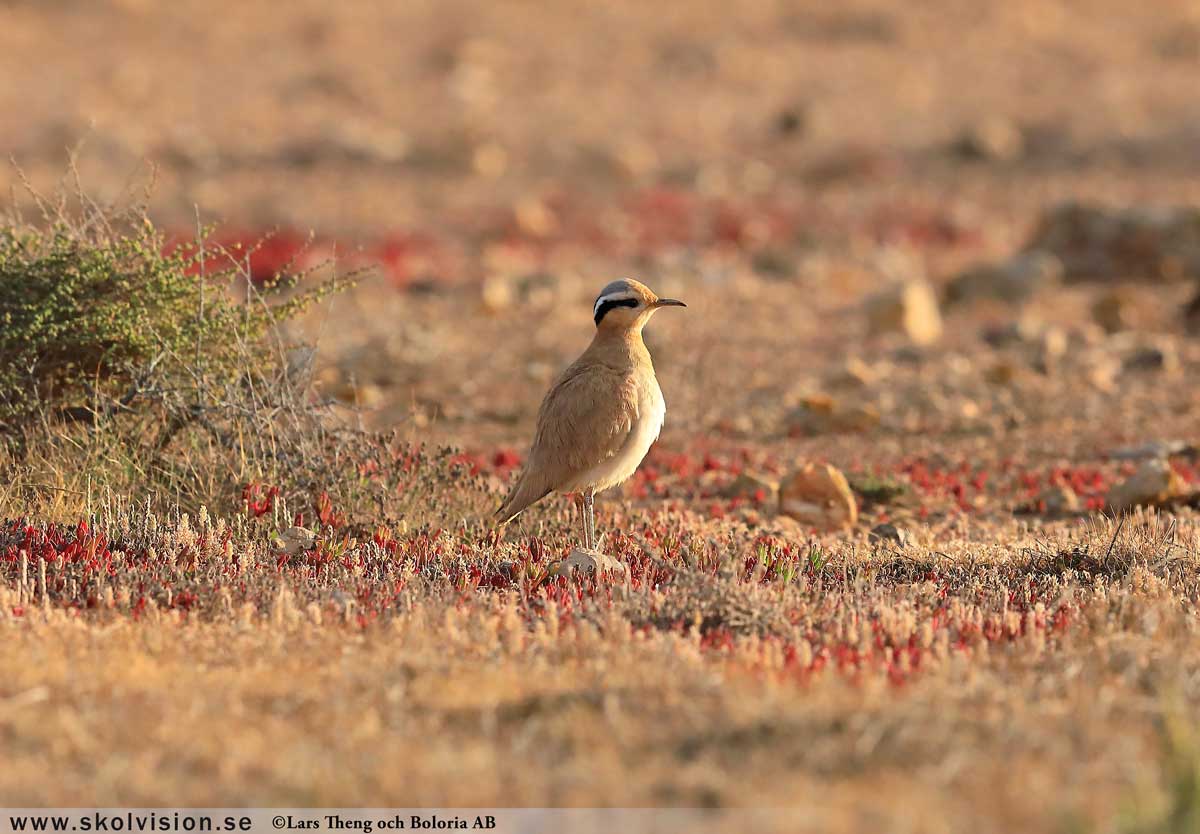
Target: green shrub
{"points": [[133, 370], [876, 490], [91, 324]]}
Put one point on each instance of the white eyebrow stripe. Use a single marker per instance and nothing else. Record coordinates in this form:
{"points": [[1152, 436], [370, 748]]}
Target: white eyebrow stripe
{"points": [[625, 295]]}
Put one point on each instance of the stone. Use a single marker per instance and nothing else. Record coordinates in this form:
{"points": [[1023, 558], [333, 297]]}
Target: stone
{"points": [[1100, 369], [1024, 330], [1013, 281], [740, 425], [1053, 344], [791, 121], [855, 374], [1039, 345], [821, 414], [349, 392], [294, 541], [363, 142], [1112, 311], [992, 139], [1153, 449], [911, 308], [590, 562], [1191, 314], [1154, 483], [534, 217], [887, 533], [818, 495], [1162, 358], [773, 264], [489, 160], [1002, 372], [496, 293], [753, 487], [875, 490], [1100, 243], [1057, 499], [1181, 42]]}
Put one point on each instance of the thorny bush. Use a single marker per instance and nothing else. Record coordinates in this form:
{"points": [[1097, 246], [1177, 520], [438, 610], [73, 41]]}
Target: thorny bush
{"points": [[128, 362]]}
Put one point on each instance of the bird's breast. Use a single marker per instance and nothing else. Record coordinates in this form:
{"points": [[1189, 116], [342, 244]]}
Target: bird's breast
{"points": [[652, 411]]}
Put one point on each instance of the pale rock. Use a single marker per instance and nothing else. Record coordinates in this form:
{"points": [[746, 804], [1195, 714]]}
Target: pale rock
{"points": [[1025, 330], [1057, 499], [489, 160], [740, 425], [369, 395], [1154, 482], [1015, 280], [535, 217], [855, 374], [1152, 449], [497, 293], [818, 495], [348, 391], [294, 540], [1101, 370], [591, 562], [1054, 343], [910, 308], [820, 413], [993, 139], [751, 486]]}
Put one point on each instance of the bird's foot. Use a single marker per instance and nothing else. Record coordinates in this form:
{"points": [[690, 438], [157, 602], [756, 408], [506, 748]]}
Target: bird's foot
{"points": [[588, 561]]}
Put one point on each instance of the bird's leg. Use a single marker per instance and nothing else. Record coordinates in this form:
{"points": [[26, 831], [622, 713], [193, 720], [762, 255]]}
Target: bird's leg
{"points": [[589, 505], [590, 560], [583, 524]]}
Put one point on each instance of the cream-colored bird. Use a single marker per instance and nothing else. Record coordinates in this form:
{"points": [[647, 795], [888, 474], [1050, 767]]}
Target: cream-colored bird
{"points": [[601, 415]]}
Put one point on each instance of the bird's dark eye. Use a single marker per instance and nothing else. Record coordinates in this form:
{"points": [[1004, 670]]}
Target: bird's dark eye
{"points": [[603, 309]]}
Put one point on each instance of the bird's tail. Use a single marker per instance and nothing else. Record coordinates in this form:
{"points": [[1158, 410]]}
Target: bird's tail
{"points": [[524, 494]]}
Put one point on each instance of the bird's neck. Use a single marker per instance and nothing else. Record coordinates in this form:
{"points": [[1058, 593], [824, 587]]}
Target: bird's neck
{"points": [[619, 346]]}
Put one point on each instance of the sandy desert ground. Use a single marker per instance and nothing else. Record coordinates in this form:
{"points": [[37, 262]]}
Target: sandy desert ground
{"points": [[940, 255]]}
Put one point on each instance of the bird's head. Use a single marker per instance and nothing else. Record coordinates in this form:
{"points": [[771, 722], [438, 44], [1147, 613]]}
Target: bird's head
{"points": [[627, 304]]}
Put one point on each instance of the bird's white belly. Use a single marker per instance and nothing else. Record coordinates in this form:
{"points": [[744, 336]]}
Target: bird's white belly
{"points": [[625, 462]]}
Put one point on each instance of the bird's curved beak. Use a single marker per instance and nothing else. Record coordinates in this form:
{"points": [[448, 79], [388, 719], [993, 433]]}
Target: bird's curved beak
{"points": [[668, 302]]}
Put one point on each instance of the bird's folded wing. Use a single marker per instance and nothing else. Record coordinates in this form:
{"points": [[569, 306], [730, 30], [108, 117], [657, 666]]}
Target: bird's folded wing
{"points": [[584, 420]]}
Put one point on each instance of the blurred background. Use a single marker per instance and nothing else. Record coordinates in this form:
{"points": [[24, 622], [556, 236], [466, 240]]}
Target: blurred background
{"points": [[941, 260], [890, 218], [373, 117]]}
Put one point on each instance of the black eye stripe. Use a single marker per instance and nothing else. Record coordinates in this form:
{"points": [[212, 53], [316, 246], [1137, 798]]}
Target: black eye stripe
{"points": [[608, 305]]}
